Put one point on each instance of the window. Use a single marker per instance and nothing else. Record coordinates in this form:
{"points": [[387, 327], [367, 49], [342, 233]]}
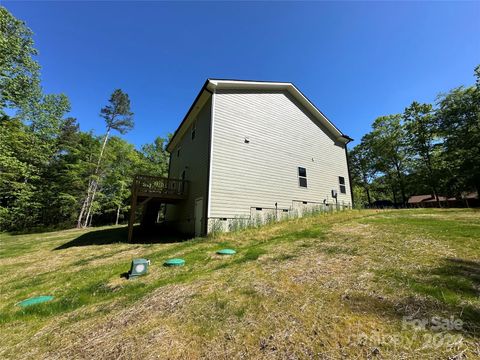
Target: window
{"points": [[178, 151], [194, 129], [302, 177], [343, 188]]}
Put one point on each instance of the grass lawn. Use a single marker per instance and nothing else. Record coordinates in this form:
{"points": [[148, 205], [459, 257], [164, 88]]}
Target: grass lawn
{"points": [[357, 284]]}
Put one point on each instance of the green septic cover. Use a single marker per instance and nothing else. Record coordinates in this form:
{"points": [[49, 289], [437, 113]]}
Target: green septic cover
{"points": [[226, 252], [174, 262], [35, 300]]}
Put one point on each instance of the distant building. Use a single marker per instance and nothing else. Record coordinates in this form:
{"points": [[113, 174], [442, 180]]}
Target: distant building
{"points": [[468, 199]]}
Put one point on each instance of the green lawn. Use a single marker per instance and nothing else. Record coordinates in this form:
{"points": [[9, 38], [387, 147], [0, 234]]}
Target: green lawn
{"points": [[347, 285]]}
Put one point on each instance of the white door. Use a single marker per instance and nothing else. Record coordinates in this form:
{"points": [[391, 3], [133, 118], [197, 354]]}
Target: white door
{"points": [[198, 216]]}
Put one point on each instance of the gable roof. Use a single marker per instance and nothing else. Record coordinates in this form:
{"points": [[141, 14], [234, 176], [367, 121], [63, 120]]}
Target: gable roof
{"points": [[211, 85]]}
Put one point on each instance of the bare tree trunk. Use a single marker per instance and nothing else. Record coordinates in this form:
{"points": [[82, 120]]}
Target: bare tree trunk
{"points": [[394, 197], [402, 189], [90, 204], [368, 196], [433, 182], [84, 206], [105, 139], [118, 214], [92, 188], [80, 216]]}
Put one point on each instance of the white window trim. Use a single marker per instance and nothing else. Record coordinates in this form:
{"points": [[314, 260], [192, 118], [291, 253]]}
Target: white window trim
{"points": [[302, 177], [340, 185]]}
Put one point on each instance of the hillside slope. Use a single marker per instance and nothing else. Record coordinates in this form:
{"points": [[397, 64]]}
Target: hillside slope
{"points": [[349, 285]]}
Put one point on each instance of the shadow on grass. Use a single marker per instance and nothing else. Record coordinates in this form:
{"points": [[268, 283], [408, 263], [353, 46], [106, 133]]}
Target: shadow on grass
{"points": [[156, 235], [452, 289]]}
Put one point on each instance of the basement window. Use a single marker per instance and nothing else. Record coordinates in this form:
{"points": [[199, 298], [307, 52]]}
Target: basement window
{"points": [[194, 129], [343, 188], [302, 177]]}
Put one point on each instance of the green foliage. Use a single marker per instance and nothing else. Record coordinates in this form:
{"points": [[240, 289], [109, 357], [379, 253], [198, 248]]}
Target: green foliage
{"points": [[20, 170], [426, 150], [117, 113], [386, 146], [19, 72], [362, 172], [46, 162], [117, 117], [421, 134], [459, 124], [155, 157]]}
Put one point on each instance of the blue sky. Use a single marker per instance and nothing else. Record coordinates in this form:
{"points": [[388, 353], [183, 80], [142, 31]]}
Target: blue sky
{"points": [[354, 60]]}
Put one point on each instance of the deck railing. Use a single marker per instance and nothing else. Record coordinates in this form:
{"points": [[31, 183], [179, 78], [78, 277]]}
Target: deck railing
{"points": [[156, 185]]}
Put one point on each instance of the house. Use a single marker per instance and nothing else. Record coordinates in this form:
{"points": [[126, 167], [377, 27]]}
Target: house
{"points": [[253, 149], [467, 199], [426, 200]]}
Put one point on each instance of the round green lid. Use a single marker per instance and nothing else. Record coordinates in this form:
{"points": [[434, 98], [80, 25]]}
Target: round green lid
{"points": [[174, 262], [35, 300], [226, 252]]}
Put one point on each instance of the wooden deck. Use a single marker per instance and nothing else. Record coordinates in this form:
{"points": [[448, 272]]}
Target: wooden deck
{"points": [[154, 189]]}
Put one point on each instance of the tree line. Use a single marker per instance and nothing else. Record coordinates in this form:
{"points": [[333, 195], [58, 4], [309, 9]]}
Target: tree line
{"points": [[428, 149], [52, 174]]}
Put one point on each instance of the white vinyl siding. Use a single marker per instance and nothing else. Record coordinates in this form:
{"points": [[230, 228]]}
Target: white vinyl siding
{"points": [[282, 137]]}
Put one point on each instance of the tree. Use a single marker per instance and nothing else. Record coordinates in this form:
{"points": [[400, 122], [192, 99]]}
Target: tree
{"points": [[386, 142], [19, 172], [19, 72], [121, 162], [117, 116], [155, 157], [458, 115], [362, 169], [477, 75], [46, 162], [422, 141]]}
